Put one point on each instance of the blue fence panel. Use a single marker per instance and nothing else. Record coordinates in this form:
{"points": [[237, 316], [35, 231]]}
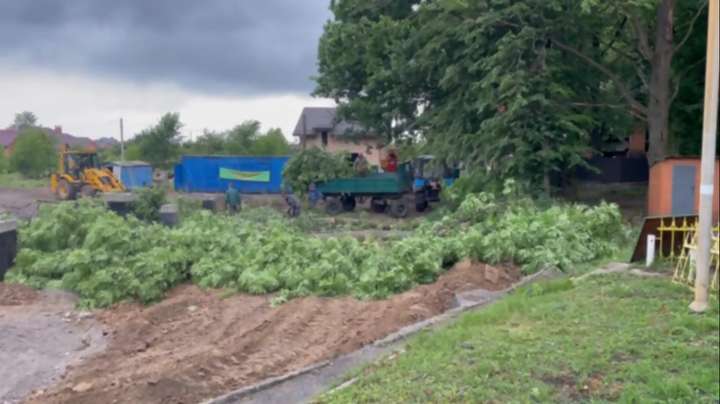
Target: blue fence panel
{"points": [[215, 173], [134, 177]]}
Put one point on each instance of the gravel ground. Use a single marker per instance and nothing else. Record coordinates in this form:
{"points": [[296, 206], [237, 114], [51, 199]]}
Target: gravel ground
{"points": [[40, 336], [23, 203]]}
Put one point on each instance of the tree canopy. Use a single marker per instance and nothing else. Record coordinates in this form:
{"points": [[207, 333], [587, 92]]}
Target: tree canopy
{"points": [[518, 89], [34, 153], [24, 120], [244, 139], [160, 144]]}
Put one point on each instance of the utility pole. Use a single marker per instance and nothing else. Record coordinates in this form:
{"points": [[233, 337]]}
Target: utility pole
{"points": [[707, 166], [122, 141]]}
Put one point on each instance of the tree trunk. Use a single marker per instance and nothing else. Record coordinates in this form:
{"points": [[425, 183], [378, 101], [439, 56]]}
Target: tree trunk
{"points": [[658, 115]]}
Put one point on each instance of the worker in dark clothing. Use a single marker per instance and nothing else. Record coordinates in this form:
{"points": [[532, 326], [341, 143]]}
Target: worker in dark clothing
{"points": [[293, 204], [314, 195], [232, 199]]}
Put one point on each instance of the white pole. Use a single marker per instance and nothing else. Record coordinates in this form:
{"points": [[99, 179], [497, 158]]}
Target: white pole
{"points": [[650, 250], [707, 170], [122, 141]]}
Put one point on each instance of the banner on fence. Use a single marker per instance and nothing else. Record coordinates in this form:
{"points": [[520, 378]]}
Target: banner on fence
{"points": [[251, 176]]}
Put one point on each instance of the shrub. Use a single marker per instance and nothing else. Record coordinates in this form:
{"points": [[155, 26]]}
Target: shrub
{"points": [[34, 153], [148, 204]]}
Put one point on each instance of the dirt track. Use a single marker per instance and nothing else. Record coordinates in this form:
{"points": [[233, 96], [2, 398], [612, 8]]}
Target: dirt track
{"points": [[23, 203], [196, 345]]}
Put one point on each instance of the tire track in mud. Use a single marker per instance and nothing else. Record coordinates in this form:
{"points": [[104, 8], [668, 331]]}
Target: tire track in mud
{"points": [[196, 344]]}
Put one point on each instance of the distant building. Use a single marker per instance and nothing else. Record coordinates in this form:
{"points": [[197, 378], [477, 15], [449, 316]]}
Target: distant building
{"points": [[9, 136], [320, 127]]}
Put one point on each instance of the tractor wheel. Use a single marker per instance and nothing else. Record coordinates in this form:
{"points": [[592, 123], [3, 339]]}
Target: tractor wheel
{"points": [[348, 203], [333, 206], [398, 209], [378, 205], [65, 191], [421, 202], [421, 206], [87, 191]]}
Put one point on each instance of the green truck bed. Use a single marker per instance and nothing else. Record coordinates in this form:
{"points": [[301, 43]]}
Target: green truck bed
{"points": [[396, 183]]}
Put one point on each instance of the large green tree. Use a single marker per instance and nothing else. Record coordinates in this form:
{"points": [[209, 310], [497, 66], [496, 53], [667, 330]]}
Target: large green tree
{"points": [[478, 81], [271, 143], [647, 35], [513, 88], [243, 139], [34, 153], [160, 144], [24, 120]]}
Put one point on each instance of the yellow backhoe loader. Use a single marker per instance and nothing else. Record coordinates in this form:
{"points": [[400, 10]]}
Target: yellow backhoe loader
{"points": [[79, 174]]}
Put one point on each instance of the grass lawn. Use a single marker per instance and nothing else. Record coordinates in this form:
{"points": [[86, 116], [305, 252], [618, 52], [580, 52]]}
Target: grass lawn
{"points": [[607, 338], [15, 180]]}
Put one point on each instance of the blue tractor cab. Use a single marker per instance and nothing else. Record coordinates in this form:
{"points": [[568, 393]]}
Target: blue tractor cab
{"points": [[429, 178]]}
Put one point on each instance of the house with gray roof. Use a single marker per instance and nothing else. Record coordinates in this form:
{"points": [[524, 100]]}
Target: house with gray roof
{"points": [[320, 127]]}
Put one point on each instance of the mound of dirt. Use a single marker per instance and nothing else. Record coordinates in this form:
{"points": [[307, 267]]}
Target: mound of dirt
{"points": [[12, 294], [196, 344]]}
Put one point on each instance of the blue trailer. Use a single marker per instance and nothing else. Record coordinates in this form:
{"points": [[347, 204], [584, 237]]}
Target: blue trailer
{"points": [[214, 173]]}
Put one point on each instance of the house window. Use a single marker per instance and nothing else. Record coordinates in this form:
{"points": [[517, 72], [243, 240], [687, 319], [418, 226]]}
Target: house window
{"points": [[324, 138]]}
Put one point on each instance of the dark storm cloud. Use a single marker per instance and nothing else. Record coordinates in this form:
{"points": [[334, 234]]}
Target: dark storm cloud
{"points": [[219, 46]]}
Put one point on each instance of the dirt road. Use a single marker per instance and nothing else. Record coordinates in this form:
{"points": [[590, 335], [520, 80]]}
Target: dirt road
{"points": [[23, 203], [196, 344], [40, 335]]}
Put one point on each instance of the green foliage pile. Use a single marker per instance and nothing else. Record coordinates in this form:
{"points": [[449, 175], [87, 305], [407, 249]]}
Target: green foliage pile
{"points": [[105, 259], [148, 204], [34, 153], [314, 165]]}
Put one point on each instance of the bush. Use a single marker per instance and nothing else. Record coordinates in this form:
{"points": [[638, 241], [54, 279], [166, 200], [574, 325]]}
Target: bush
{"points": [[34, 154], [148, 204], [4, 164], [312, 166]]}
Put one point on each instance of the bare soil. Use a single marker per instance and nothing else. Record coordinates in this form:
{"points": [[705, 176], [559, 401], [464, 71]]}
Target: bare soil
{"points": [[197, 344], [23, 203], [12, 294]]}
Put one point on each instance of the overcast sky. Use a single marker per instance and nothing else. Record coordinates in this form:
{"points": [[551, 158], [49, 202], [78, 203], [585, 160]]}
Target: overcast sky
{"points": [[83, 64]]}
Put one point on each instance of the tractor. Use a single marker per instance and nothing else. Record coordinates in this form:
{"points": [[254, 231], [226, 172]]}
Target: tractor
{"points": [[429, 178], [79, 174]]}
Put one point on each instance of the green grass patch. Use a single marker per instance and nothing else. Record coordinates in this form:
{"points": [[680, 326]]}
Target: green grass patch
{"points": [[610, 338], [16, 180]]}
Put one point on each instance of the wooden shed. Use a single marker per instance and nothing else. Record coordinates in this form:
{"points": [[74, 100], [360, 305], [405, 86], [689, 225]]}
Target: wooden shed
{"points": [[674, 188]]}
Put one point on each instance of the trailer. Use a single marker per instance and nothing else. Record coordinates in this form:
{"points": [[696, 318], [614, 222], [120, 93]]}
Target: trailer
{"points": [[385, 190]]}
